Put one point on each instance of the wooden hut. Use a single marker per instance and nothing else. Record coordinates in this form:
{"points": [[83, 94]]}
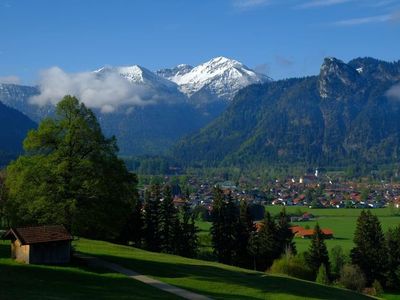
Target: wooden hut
{"points": [[40, 244]]}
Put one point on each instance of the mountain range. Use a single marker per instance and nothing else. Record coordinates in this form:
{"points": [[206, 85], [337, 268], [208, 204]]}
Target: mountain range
{"points": [[221, 113], [349, 113], [174, 102]]}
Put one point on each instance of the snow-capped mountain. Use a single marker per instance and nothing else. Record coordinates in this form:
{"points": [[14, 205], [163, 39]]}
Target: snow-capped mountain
{"points": [[157, 86], [136, 74], [181, 100], [176, 73], [220, 77]]}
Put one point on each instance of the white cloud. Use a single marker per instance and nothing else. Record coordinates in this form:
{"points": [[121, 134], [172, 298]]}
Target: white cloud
{"points": [[365, 20], [106, 92], [10, 79], [322, 3], [247, 4], [394, 92]]}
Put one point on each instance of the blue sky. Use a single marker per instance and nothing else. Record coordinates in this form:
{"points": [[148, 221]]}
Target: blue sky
{"points": [[283, 38]]}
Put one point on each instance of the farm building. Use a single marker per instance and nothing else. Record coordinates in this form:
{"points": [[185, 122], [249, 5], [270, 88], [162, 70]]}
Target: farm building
{"points": [[299, 231], [40, 244]]}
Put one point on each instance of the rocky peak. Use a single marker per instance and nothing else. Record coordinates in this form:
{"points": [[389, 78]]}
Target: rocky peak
{"points": [[335, 75]]}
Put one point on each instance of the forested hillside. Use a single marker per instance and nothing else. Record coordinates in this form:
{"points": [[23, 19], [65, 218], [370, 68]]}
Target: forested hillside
{"points": [[348, 113], [13, 129]]}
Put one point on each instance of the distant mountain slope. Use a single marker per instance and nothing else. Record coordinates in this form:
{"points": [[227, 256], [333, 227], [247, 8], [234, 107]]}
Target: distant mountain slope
{"points": [[342, 115], [167, 114], [13, 129]]}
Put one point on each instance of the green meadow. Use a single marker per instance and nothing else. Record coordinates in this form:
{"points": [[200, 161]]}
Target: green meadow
{"points": [[75, 281], [210, 278], [342, 221]]}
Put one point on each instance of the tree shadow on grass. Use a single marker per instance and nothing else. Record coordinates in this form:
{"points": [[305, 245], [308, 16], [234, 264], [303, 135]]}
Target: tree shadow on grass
{"points": [[339, 239], [222, 283], [73, 281]]}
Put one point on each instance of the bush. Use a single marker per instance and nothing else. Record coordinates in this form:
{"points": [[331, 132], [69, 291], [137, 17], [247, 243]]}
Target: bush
{"points": [[322, 276], [370, 291], [378, 287], [338, 260], [293, 266], [352, 278]]}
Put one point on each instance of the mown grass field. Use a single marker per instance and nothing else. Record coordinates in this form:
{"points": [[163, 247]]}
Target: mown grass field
{"points": [[342, 221], [209, 278], [20, 281]]}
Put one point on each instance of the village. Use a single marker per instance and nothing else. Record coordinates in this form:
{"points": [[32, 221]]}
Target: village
{"points": [[311, 190]]}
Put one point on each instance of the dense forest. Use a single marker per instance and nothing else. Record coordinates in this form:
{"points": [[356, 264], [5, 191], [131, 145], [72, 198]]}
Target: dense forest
{"points": [[346, 115], [13, 129]]}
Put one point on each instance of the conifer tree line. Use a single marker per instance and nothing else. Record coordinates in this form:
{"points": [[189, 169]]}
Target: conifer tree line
{"points": [[157, 225], [237, 241], [373, 262], [375, 253]]}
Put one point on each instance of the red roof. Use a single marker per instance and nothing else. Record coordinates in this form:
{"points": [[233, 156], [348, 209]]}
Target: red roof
{"points": [[310, 232], [39, 234], [296, 229]]}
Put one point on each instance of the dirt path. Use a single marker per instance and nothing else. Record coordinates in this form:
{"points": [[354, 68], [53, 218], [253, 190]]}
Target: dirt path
{"points": [[97, 262]]}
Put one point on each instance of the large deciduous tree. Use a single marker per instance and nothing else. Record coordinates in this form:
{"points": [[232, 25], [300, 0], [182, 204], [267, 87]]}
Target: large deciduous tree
{"points": [[70, 174]]}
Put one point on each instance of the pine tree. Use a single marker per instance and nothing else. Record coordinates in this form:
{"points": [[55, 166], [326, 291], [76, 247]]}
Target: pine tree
{"points": [[137, 225], [167, 215], [134, 229], [317, 254], [152, 231], [253, 248], [224, 216], [188, 238], [285, 235], [244, 228], [264, 245], [370, 251], [393, 246], [230, 219], [217, 222]]}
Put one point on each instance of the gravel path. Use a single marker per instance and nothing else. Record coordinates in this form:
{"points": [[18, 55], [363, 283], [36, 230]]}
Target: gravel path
{"points": [[94, 261]]}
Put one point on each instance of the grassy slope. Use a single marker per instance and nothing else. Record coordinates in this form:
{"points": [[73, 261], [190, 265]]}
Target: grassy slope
{"points": [[213, 279], [20, 281]]}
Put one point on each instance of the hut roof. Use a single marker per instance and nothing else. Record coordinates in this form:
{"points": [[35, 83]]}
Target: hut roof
{"points": [[39, 234]]}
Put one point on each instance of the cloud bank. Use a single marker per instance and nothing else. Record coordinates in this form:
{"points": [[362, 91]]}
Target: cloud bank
{"points": [[106, 92], [394, 92]]}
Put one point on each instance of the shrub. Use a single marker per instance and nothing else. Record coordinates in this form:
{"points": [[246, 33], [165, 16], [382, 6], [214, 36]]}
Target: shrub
{"points": [[293, 266], [322, 276], [338, 260], [378, 287], [352, 278], [370, 291]]}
